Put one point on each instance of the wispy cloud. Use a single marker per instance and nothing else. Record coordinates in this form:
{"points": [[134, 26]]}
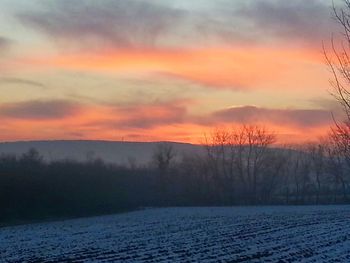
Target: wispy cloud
{"points": [[301, 118], [212, 67], [39, 110], [4, 43], [19, 81], [151, 121], [115, 23], [149, 116], [304, 21], [145, 24], [145, 116], [161, 114]]}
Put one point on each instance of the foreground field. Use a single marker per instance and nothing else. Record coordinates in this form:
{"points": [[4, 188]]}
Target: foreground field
{"points": [[242, 234]]}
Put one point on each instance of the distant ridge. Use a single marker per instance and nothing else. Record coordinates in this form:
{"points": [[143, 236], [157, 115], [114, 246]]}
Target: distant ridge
{"points": [[120, 152]]}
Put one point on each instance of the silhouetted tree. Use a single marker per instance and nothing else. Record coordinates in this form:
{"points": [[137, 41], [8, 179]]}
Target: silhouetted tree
{"points": [[338, 61], [239, 158], [316, 154], [163, 156]]}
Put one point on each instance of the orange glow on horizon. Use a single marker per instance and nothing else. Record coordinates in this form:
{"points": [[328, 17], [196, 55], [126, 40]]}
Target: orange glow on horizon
{"points": [[103, 123]]}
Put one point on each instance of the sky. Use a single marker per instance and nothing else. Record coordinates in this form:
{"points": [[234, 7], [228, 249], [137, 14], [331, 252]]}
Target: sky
{"points": [[155, 70]]}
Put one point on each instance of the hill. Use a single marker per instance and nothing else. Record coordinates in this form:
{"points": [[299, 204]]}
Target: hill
{"points": [[109, 151]]}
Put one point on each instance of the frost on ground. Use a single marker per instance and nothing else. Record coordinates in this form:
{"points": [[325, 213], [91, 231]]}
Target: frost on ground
{"points": [[240, 234]]}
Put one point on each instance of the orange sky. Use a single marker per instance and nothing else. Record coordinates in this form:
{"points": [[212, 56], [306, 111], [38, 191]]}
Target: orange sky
{"points": [[177, 73]]}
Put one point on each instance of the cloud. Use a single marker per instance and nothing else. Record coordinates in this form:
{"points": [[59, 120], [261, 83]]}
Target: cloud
{"points": [[39, 110], [301, 118], [143, 116], [164, 114], [149, 116], [149, 24], [20, 81], [305, 21], [153, 121], [214, 68], [4, 43], [115, 23]]}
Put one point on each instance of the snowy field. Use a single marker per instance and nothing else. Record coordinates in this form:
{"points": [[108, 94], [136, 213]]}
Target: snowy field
{"points": [[242, 234]]}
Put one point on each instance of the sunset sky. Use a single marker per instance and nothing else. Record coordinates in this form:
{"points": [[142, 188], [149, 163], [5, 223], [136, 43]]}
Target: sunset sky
{"points": [[149, 70]]}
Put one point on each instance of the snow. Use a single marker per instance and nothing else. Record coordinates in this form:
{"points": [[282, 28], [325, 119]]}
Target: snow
{"points": [[237, 234]]}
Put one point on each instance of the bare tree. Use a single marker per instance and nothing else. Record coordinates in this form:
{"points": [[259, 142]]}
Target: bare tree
{"points": [[337, 166], [299, 172], [220, 161], [338, 61], [338, 58], [253, 153], [163, 155], [240, 157], [274, 175], [316, 154]]}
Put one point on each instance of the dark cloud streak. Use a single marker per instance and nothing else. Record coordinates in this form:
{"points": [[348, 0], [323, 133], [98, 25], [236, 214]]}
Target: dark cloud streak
{"points": [[307, 118], [148, 24], [150, 117], [144, 116], [19, 81], [39, 110], [117, 23], [4, 43], [306, 21]]}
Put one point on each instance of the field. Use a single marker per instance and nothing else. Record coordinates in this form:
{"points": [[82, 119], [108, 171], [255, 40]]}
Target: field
{"points": [[240, 234]]}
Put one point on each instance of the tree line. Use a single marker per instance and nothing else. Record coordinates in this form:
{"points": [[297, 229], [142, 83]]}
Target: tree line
{"points": [[241, 166]]}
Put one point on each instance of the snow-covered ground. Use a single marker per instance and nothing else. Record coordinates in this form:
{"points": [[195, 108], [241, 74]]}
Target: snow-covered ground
{"points": [[239, 234]]}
